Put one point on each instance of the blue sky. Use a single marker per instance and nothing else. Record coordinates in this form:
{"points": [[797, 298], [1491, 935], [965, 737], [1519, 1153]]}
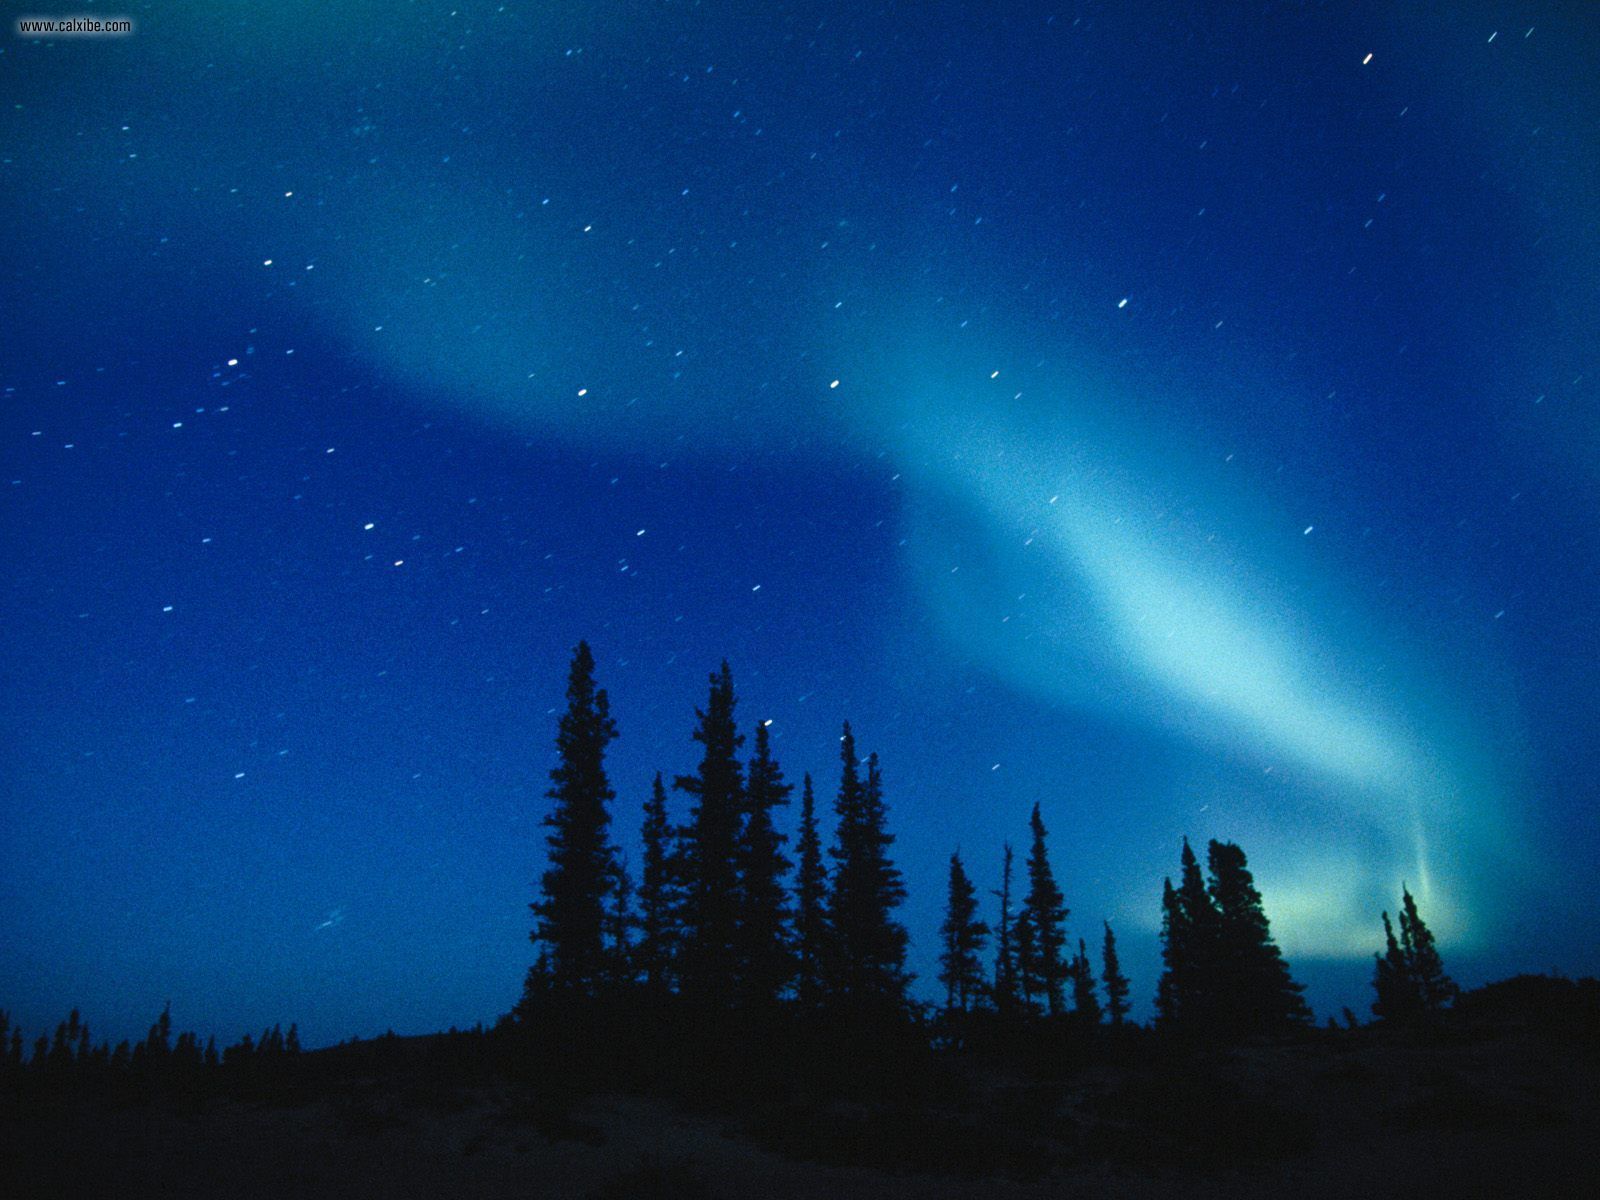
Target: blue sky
{"points": [[1186, 424]]}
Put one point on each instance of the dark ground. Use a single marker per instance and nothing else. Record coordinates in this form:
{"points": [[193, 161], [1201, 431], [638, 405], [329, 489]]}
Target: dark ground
{"points": [[1508, 1112]]}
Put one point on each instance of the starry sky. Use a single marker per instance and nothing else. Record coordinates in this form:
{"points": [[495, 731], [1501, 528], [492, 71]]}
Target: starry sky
{"points": [[1181, 416]]}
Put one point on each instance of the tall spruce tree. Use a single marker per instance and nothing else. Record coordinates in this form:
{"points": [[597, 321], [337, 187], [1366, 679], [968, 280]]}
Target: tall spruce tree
{"points": [[1253, 989], [570, 913], [869, 944], [1397, 1001], [1410, 980], [709, 853], [657, 895], [963, 936], [620, 924], [811, 899], [1186, 991], [1085, 1004], [1041, 927], [765, 950], [1114, 981], [1007, 988], [1435, 989]]}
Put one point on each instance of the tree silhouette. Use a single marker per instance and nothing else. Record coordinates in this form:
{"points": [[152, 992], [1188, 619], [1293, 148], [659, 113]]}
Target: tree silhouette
{"points": [[158, 1043], [1116, 983], [1427, 968], [811, 897], [1007, 988], [870, 945], [709, 910], [1223, 973], [765, 961], [571, 910], [1041, 934], [620, 924], [1409, 979], [963, 936], [657, 896], [1085, 1004], [1254, 991], [1397, 999], [1185, 993]]}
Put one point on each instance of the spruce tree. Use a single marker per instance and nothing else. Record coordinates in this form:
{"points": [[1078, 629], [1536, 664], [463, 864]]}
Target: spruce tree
{"points": [[657, 896], [1116, 983], [1186, 991], [1410, 981], [620, 923], [765, 957], [1397, 1001], [1025, 954], [158, 1043], [1435, 989], [1007, 988], [870, 945], [963, 935], [1169, 995], [1085, 1004], [811, 897], [1042, 936], [709, 911], [1253, 989], [571, 911]]}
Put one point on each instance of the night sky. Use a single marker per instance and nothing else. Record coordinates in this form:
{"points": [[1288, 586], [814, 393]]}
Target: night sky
{"points": [[1179, 415]]}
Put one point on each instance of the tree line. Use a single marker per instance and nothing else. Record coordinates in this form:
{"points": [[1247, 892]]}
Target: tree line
{"points": [[722, 917], [713, 920], [723, 920], [158, 1057]]}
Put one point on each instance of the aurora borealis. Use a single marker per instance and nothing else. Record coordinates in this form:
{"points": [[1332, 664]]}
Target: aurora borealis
{"points": [[1184, 419]]}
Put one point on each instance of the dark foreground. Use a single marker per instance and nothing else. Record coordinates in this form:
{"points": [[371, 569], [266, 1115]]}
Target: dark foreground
{"points": [[1336, 1115]]}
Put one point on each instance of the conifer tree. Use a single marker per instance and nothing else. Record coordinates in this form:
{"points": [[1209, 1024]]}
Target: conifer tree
{"points": [[1253, 989], [571, 911], [765, 956], [1041, 932], [960, 968], [870, 945], [811, 897], [1435, 989], [1025, 956], [158, 1043], [1223, 973], [1186, 992], [657, 896], [61, 1049], [1007, 990], [622, 971], [1410, 981], [709, 854], [1397, 1000], [1085, 1004], [1115, 982]]}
